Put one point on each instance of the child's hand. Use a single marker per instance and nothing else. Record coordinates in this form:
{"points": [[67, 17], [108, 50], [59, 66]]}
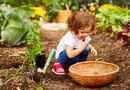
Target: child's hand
{"points": [[84, 42], [94, 52]]}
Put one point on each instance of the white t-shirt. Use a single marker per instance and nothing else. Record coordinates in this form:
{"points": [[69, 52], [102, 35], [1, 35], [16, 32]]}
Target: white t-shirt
{"points": [[69, 39]]}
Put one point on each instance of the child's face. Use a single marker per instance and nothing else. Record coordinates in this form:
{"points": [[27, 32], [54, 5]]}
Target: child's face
{"points": [[83, 32]]}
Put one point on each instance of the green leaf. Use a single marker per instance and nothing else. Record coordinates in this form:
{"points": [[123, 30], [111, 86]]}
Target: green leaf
{"points": [[12, 23], [125, 18], [114, 28], [120, 29], [1, 83], [26, 24], [39, 88], [112, 35], [113, 18], [24, 12], [104, 11], [7, 9], [98, 16], [12, 36]]}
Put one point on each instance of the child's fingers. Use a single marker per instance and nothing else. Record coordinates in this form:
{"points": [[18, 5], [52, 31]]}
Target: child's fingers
{"points": [[94, 53]]}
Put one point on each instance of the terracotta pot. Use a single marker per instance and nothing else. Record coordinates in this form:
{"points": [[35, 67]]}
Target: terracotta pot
{"points": [[41, 60]]}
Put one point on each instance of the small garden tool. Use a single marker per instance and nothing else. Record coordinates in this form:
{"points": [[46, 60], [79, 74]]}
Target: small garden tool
{"points": [[49, 60]]}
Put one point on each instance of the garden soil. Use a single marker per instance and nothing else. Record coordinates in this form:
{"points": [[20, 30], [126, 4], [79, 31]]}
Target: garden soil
{"points": [[108, 49]]}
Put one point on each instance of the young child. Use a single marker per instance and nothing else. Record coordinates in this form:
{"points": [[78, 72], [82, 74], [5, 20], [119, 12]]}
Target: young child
{"points": [[72, 48]]}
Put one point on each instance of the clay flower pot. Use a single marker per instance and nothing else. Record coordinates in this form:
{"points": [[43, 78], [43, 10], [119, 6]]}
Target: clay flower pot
{"points": [[41, 60]]}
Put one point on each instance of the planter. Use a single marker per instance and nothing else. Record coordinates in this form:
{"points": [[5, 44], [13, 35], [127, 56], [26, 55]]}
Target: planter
{"points": [[41, 60]]}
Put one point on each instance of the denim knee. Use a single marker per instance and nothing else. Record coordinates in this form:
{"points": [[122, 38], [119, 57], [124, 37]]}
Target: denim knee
{"points": [[86, 49], [63, 58], [84, 54]]}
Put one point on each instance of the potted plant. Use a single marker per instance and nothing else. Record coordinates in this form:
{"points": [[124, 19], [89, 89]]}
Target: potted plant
{"points": [[34, 51]]}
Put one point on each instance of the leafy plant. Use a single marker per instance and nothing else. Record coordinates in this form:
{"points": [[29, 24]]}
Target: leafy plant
{"points": [[124, 37], [8, 75], [21, 2], [115, 23], [14, 25], [36, 46]]}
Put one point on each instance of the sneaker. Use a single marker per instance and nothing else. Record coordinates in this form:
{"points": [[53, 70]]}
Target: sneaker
{"points": [[58, 69]]}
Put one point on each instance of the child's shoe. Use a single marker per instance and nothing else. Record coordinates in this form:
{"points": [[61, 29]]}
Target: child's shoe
{"points": [[58, 69]]}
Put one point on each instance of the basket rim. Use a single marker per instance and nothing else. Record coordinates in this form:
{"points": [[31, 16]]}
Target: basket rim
{"points": [[95, 62]]}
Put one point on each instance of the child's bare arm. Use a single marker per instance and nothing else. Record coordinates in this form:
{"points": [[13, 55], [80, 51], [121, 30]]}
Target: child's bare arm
{"points": [[93, 51], [73, 53]]}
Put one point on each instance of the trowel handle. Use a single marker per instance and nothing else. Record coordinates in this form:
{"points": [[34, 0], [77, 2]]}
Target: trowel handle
{"points": [[50, 57]]}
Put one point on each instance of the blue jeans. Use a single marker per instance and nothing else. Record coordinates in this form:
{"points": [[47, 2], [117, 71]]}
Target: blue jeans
{"points": [[65, 61]]}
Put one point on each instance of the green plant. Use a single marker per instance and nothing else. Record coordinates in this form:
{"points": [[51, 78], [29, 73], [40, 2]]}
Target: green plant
{"points": [[35, 45], [14, 25], [1, 70], [115, 22], [97, 45], [124, 37], [8, 75], [21, 67], [39, 88], [21, 2], [17, 70], [102, 53], [8, 51]]}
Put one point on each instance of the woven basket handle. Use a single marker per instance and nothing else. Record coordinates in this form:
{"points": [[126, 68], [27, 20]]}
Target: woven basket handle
{"points": [[67, 7]]}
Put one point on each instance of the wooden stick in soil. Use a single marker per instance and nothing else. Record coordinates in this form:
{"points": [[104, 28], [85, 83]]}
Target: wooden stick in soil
{"points": [[49, 60]]}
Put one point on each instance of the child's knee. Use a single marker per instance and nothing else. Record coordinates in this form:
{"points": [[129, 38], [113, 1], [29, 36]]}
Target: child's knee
{"points": [[86, 49]]}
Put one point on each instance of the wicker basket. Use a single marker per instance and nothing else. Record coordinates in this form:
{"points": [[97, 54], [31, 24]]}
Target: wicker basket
{"points": [[63, 15], [84, 73]]}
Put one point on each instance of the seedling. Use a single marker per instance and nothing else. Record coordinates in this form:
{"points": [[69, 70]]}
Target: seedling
{"points": [[8, 51], [8, 76], [17, 71], [12, 68], [1, 70], [21, 67], [39, 88], [101, 54]]}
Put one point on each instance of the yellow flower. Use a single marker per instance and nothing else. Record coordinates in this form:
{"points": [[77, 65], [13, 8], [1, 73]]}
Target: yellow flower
{"points": [[33, 15], [90, 12], [119, 7], [93, 13], [38, 12], [99, 8], [108, 6], [23, 6], [47, 16], [92, 8]]}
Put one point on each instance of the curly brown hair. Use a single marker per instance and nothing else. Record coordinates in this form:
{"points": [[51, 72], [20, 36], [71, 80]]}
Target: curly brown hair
{"points": [[80, 19]]}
